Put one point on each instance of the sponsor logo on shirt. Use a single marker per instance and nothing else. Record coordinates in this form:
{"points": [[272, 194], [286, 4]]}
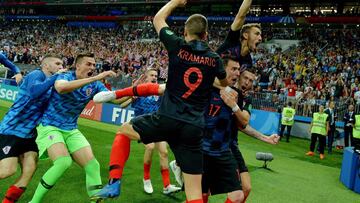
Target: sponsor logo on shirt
{"points": [[88, 91]]}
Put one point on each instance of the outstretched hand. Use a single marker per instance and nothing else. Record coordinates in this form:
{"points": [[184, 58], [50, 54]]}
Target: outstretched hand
{"points": [[105, 75], [273, 139], [140, 80], [229, 97], [18, 77]]}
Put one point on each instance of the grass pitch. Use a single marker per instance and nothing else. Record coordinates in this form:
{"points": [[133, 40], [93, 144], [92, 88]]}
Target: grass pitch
{"points": [[293, 177]]}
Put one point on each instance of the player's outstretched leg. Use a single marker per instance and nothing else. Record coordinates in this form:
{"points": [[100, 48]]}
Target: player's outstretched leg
{"points": [[119, 154]]}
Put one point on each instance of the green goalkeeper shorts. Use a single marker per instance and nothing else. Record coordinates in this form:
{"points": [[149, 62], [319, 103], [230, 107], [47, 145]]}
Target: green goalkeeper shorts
{"points": [[49, 135]]}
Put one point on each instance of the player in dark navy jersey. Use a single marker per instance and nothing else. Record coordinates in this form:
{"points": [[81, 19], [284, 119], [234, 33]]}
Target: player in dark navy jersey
{"points": [[241, 39], [58, 136], [180, 118], [17, 129], [222, 159], [240, 42]]}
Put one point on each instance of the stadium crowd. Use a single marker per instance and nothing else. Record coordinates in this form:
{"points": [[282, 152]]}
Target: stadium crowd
{"points": [[324, 66]]}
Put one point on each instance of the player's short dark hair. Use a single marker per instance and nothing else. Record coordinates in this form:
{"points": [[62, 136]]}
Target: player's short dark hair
{"points": [[247, 27], [289, 104], [197, 25], [79, 57], [226, 58]]}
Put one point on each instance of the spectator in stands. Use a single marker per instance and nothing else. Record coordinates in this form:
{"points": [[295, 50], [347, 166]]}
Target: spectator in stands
{"points": [[309, 104], [291, 89], [349, 119], [332, 127]]}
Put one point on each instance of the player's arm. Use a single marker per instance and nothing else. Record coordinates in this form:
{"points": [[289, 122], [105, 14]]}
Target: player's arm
{"points": [[273, 139], [220, 80], [220, 84], [142, 90], [36, 85], [234, 147], [241, 15], [64, 86], [6, 62], [159, 20]]}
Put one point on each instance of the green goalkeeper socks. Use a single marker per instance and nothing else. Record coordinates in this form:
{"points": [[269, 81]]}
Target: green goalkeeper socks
{"points": [[60, 165], [93, 178]]}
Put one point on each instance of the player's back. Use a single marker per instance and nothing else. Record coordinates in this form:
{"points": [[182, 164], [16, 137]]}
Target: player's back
{"points": [[145, 105], [193, 67], [26, 111]]}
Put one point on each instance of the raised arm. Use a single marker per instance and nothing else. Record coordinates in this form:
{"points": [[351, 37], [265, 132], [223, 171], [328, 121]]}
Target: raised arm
{"points": [[159, 20], [6, 62], [241, 15], [38, 88], [64, 86]]}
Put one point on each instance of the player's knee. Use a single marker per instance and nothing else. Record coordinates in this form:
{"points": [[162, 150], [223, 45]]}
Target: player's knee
{"points": [[29, 168], [246, 189], [7, 171], [236, 196], [163, 154], [63, 162], [150, 146]]}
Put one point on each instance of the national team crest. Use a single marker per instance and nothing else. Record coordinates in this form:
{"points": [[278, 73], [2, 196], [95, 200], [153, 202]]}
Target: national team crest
{"points": [[88, 91], [6, 149]]}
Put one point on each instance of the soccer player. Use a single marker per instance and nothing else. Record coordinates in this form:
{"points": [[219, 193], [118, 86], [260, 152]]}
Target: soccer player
{"points": [[244, 85], [241, 39], [17, 129], [145, 105], [6, 62], [180, 118], [58, 136], [222, 159], [240, 42]]}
